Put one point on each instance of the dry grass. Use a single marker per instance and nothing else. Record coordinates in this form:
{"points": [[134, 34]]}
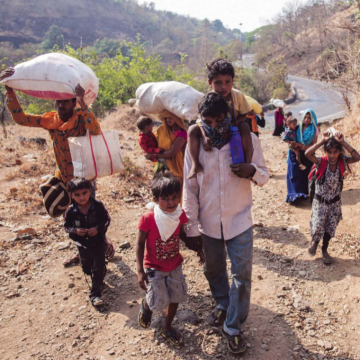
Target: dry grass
{"points": [[22, 199], [124, 118]]}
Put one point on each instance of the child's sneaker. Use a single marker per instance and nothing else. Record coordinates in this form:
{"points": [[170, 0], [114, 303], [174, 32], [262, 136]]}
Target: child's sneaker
{"points": [[97, 301]]}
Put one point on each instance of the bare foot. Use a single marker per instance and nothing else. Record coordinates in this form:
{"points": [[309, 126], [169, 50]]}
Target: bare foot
{"points": [[326, 258], [196, 168], [313, 247]]}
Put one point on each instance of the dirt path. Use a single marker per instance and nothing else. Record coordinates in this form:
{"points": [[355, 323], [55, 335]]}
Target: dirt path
{"points": [[300, 309]]}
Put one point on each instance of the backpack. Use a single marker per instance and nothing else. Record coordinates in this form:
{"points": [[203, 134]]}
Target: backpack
{"points": [[316, 174]]}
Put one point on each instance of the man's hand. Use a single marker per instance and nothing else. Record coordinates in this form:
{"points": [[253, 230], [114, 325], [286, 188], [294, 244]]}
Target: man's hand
{"points": [[80, 231], [80, 93], [243, 170], [201, 256], [92, 231], [7, 73], [207, 144], [142, 279]]}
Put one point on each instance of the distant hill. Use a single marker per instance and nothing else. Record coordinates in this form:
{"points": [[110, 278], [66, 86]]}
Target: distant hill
{"points": [[27, 21], [306, 36]]}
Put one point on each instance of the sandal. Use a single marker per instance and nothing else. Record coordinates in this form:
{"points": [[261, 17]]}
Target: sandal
{"points": [[216, 317], [172, 336], [144, 318], [237, 339], [97, 301], [72, 261], [327, 259]]}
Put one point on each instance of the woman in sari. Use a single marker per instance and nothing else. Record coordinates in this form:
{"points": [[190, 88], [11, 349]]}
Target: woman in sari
{"points": [[172, 137], [279, 120], [296, 179]]}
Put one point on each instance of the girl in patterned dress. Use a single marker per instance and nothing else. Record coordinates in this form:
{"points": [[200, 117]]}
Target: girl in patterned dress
{"points": [[326, 208]]}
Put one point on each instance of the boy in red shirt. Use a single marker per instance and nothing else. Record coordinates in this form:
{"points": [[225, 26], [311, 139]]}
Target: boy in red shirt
{"points": [[158, 252]]}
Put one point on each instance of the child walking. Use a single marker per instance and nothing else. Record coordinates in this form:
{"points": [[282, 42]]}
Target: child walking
{"points": [[86, 222], [221, 75], [290, 137], [326, 207], [159, 262]]}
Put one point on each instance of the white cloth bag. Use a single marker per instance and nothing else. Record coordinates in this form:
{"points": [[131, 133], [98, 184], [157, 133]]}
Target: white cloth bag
{"points": [[180, 99], [95, 156], [54, 76]]}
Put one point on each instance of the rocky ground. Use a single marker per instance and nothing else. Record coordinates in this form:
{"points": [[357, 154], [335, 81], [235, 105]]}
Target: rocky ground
{"points": [[301, 309]]}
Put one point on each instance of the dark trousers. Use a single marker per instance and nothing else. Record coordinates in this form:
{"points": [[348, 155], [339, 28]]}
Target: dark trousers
{"points": [[93, 264], [278, 130]]}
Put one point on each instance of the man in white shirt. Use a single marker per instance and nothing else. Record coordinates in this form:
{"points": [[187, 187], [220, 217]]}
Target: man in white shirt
{"points": [[218, 204]]}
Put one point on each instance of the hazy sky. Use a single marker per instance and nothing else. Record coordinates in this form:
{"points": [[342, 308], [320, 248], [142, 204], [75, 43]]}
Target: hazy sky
{"points": [[251, 13]]}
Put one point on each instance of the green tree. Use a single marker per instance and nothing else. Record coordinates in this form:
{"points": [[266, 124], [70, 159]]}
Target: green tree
{"points": [[53, 37]]}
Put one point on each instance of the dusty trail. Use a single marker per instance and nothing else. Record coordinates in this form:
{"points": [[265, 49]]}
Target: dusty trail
{"points": [[300, 308]]}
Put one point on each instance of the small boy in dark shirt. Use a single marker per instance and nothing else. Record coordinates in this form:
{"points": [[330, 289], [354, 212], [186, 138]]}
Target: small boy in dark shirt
{"points": [[86, 222]]}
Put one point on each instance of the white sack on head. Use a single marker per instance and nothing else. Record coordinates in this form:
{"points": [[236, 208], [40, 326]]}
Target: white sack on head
{"points": [[180, 99], [54, 76], [278, 103]]}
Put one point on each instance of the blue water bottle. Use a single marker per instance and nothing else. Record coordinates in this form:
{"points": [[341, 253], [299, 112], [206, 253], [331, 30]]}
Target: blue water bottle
{"points": [[236, 148]]}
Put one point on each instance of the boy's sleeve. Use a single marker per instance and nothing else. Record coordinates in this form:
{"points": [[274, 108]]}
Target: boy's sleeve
{"points": [[143, 224], [104, 220], [91, 123], [18, 114], [242, 104], [183, 218], [69, 222]]}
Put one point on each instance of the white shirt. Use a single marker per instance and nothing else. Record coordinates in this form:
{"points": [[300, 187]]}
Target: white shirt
{"points": [[217, 196]]}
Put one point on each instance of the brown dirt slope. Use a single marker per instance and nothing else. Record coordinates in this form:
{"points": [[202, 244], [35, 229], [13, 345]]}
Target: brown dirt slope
{"points": [[308, 54], [300, 308]]}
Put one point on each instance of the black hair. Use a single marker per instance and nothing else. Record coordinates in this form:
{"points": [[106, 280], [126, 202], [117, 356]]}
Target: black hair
{"points": [[213, 105], [143, 121], [289, 113], [74, 100], [333, 143], [290, 119], [165, 184], [78, 184], [219, 67]]}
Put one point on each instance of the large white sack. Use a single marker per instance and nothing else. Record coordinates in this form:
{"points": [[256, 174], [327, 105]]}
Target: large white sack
{"points": [[278, 103], [180, 99], [54, 76], [94, 161]]}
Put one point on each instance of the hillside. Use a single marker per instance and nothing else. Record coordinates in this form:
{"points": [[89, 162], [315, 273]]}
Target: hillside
{"points": [[25, 22], [304, 37]]}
